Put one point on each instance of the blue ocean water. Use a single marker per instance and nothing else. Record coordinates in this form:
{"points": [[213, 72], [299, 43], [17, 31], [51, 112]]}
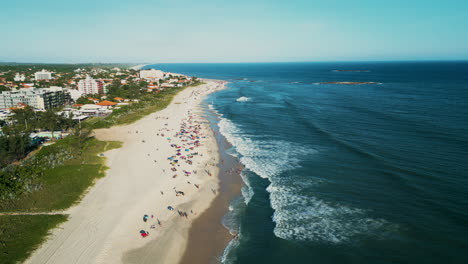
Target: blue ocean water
{"points": [[374, 173]]}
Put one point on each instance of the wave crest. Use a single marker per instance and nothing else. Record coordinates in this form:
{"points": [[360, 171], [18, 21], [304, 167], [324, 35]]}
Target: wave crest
{"points": [[243, 99]]}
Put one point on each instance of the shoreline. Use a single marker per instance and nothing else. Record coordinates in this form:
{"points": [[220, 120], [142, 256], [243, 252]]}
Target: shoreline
{"points": [[104, 226], [139, 66], [209, 249]]}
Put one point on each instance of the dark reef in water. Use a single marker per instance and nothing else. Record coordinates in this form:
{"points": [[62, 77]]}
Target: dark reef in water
{"points": [[349, 83], [350, 71]]}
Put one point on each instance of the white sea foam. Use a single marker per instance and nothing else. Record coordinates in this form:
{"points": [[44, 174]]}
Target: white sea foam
{"points": [[247, 191], [243, 99], [264, 157], [308, 218], [297, 216], [228, 257], [232, 222]]}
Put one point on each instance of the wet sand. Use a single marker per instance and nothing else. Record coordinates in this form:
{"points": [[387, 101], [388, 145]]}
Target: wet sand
{"points": [[105, 227], [207, 236]]}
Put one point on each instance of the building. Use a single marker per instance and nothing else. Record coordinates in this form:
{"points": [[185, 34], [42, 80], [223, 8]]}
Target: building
{"points": [[107, 104], [38, 98], [19, 77], [5, 114], [151, 74], [75, 94], [43, 75], [94, 110], [90, 86]]}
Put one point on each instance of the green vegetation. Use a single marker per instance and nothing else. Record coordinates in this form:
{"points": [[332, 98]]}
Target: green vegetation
{"points": [[21, 234], [58, 175], [55, 177], [15, 142], [146, 105], [84, 100], [63, 72], [131, 90]]}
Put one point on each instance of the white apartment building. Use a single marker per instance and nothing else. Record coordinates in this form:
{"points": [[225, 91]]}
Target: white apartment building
{"points": [[151, 74], [75, 94], [43, 75], [19, 77], [90, 86], [38, 98]]}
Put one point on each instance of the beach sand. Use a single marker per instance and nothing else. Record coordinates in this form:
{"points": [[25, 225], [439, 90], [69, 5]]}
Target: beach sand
{"points": [[105, 226], [203, 248]]}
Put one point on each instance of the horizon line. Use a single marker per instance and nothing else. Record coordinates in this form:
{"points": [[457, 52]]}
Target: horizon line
{"points": [[245, 62]]}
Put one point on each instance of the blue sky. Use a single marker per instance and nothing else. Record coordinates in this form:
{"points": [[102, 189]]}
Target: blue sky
{"points": [[232, 31]]}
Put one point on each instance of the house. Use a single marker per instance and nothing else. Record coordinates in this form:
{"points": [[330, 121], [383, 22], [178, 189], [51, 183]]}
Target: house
{"points": [[94, 100], [107, 104], [94, 110], [119, 99], [19, 77], [167, 85]]}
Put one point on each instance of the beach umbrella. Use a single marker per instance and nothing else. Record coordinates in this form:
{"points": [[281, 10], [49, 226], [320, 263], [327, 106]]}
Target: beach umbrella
{"points": [[142, 232]]}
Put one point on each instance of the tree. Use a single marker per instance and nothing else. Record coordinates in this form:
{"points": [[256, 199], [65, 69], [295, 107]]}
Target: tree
{"points": [[50, 121], [67, 122], [14, 144], [143, 84], [4, 88], [81, 133], [84, 100], [26, 117]]}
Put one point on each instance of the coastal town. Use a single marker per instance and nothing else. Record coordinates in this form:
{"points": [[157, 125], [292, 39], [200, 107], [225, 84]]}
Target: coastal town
{"points": [[61, 129], [75, 94]]}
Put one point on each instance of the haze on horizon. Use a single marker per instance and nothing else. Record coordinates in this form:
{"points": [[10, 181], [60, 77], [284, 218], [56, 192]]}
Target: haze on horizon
{"points": [[232, 31]]}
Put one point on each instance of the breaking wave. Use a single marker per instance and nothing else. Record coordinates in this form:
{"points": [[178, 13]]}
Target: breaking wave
{"points": [[297, 217], [243, 99], [307, 218]]}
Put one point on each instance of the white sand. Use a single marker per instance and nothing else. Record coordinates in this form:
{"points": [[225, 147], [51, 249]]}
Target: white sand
{"points": [[106, 223]]}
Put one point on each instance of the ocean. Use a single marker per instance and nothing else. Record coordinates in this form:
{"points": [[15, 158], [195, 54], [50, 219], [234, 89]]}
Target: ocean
{"points": [[369, 173]]}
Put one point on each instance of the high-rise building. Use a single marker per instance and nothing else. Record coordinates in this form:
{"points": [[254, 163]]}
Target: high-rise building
{"points": [[38, 98], [90, 86], [43, 75]]}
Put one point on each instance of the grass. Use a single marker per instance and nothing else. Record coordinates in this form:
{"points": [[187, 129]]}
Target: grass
{"points": [[135, 111], [20, 235], [65, 184]]}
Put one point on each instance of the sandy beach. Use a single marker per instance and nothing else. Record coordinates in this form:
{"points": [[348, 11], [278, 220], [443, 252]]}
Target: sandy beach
{"points": [[138, 67], [158, 183]]}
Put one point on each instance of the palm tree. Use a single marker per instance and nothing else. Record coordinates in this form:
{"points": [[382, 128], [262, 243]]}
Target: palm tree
{"points": [[51, 121]]}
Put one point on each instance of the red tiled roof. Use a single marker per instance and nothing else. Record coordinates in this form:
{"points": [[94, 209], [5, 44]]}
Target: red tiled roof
{"points": [[106, 103]]}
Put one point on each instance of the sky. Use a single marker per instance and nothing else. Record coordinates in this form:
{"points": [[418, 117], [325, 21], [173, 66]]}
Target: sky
{"points": [[153, 31]]}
